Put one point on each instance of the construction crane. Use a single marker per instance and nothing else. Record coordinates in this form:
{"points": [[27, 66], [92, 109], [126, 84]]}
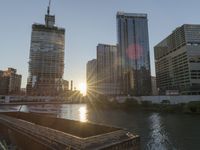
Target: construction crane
{"points": [[48, 9]]}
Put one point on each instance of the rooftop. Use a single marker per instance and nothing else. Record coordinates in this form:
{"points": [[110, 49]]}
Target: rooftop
{"points": [[121, 13]]}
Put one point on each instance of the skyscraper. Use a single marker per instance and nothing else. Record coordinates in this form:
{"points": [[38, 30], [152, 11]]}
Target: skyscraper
{"points": [[91, 75], [133, 54], [46, 61], [177, 60], [107, 70], [154, 86]]}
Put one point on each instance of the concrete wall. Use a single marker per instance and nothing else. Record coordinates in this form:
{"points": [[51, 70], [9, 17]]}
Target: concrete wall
{"points": [[159, 99], [172, 99], [7, 99]]}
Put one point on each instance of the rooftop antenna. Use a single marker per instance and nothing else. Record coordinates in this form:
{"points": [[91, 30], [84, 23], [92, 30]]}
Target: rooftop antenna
{"points": [[48, 9]]}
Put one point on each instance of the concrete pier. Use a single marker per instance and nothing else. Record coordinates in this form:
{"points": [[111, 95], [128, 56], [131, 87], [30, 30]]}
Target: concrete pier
{"points": [[45, 132]]}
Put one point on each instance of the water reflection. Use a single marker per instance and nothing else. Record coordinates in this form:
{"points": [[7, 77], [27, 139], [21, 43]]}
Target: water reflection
{"points": [[11, 108], [158, 136], [74, 112], [158, 131], [83, 114]]}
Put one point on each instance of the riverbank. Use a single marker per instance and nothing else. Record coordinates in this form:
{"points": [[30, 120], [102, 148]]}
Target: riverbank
{"points": [[40, 103], [131, 104]]}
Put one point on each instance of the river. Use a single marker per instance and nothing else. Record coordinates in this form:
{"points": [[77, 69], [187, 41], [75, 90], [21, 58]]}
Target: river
{"points": [[158, 131]]}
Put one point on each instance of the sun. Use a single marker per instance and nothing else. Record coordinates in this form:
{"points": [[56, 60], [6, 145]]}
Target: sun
{"points": [[83, 88]]}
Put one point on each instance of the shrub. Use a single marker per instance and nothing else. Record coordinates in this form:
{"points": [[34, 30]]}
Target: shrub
{"points": [[146, 103], [194, 106], [131, 102], [165, 102]]}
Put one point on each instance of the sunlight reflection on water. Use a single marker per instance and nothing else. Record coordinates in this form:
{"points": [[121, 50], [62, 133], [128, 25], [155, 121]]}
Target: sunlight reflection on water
{"points": [[158, 137], [83, 114], [74, 112]]}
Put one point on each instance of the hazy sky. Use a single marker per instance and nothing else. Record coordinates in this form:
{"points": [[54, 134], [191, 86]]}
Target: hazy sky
{"points": [[87, 23]]}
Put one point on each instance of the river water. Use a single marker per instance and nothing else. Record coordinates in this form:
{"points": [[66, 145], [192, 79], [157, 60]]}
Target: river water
{"points": [[158, 131]]}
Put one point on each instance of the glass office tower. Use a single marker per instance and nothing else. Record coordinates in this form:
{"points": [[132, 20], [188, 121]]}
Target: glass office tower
{"points": [[133, 54], [91, 75], [107, 70]]}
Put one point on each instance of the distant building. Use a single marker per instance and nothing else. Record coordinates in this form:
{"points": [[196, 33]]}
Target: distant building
{"points": [[133, 54], [10, 82], [91, 75], [65, 85], [46, 60], [154, 86], [177, 59], [22, 91], [71, 87], [107, 70]]}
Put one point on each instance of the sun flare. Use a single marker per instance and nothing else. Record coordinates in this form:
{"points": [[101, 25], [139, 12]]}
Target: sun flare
{"points": [[83, 88]]}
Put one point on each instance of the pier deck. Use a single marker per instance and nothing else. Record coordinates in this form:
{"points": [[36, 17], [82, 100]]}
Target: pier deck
{"points": [[56, 133]]}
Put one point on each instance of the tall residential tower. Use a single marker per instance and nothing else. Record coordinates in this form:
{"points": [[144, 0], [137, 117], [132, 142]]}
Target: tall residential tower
{"points": [[46, 61], [133, 54]]}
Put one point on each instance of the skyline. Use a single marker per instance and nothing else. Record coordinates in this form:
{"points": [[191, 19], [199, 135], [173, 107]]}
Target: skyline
{"points": [[101, 30]]}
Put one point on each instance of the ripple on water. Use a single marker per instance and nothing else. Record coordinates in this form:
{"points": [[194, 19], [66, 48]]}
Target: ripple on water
{"points": [[158, 137]]}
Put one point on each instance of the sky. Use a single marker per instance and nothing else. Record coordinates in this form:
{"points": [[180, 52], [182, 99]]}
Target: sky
{"points": [[87, 23]]}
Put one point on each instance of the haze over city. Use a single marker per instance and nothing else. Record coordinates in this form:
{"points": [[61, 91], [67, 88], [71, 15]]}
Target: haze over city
{"points": [[87, 24]]}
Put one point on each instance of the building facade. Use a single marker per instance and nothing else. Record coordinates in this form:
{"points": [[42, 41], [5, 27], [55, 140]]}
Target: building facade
{"points": [[46, 60], [91, 75], [177, 60], [154, 86], [10, 82], [65, 85], [107, 70], [133, 54]]}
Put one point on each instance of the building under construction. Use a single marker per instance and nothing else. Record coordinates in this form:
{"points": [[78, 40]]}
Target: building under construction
{"points": [[46, 60]]}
